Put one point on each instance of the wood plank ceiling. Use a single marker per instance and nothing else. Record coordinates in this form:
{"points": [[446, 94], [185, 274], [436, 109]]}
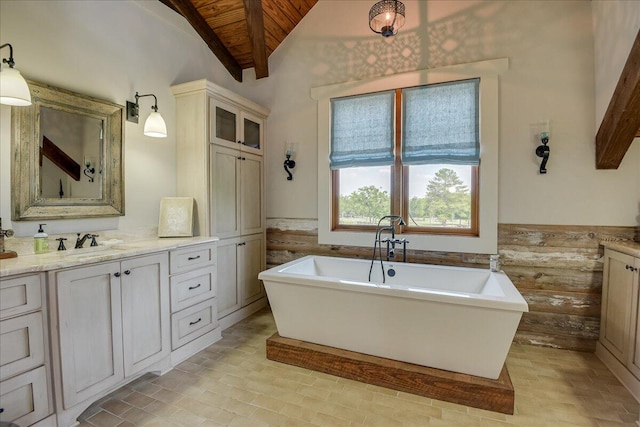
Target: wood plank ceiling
{"points": [[243, 33]]}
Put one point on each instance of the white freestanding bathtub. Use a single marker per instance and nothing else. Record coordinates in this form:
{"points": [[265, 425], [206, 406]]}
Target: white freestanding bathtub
{"points": [[452, 318]]}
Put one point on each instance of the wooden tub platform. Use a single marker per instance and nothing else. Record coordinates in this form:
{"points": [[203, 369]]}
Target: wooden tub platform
{"points": [[492, 395]]}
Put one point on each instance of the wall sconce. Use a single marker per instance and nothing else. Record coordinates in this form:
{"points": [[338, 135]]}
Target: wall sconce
{"points": [[386, 17], [89, 171], [154, 126], [13, 87], [290, 148], [543, 151]]}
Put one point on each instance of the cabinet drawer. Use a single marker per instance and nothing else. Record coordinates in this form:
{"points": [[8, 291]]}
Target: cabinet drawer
{"points": [[192, 257], [19, 295], [191, 288], [21, 344], [193, 322], [24, 398]]}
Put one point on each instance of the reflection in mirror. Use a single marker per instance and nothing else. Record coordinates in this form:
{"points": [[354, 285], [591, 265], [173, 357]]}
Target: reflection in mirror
{"points": [[67, 156], [70, 155]]}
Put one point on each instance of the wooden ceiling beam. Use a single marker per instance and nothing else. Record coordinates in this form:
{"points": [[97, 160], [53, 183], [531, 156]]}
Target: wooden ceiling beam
{"points": [[621, 122], [191, 14], [255, 25]]}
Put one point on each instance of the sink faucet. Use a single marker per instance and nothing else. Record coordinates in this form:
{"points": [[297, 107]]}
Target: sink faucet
{"points": [[80, 240], [390, 242]]}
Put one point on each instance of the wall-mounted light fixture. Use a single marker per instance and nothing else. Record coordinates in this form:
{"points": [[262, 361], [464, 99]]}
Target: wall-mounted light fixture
{"points": [[543, 151], [289, 150], [154, 126], [13, 87], [386, 17]]}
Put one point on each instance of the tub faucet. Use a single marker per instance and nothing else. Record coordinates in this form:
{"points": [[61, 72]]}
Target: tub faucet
{"points": [[390, 242]]}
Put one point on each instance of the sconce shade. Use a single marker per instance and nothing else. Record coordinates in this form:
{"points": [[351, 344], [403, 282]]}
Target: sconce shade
{"points": [[386, 17], [155, 126], [13, 88]]}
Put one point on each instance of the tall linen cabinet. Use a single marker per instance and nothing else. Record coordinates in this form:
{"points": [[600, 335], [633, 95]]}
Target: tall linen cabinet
{"points": [[220, 148]]}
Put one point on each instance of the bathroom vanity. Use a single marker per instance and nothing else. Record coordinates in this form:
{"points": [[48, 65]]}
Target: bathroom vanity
{"points": [[107, 314], [619, 343]]}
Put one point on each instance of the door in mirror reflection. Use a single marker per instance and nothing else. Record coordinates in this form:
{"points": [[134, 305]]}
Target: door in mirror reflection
{"points": [[71, 147]]}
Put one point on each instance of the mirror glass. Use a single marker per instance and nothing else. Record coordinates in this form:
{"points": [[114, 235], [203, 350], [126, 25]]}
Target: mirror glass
{"points": [[68, 156]]}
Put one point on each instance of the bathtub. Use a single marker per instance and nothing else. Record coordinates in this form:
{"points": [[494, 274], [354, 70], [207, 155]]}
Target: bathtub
{"points": [[451, 318]]}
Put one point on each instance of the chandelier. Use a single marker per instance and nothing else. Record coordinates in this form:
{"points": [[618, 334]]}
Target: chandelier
{"points": [[386, 17]]}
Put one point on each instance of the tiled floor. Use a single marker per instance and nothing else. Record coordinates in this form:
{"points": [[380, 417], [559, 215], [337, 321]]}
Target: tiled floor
{"points": [[232, 384]]}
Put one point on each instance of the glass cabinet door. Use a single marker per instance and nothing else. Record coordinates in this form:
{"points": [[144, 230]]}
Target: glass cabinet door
{"points": [[252, 133], [225, 124], [234, 128]]}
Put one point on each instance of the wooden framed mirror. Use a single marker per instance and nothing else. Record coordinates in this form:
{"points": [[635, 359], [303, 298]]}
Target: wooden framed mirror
{"points": [[67, 156]]}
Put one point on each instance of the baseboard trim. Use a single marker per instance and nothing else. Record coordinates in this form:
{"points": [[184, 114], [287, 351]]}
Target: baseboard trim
{"points": [[243, 313], [627, 379], [181, 354]]}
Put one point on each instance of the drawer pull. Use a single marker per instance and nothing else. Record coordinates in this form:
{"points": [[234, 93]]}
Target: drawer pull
{"points": [[191, 258], [194, 287], [197, 321]]}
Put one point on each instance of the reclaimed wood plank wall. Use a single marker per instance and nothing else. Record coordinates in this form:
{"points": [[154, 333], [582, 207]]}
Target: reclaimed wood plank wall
{"points": [[558, 270]]}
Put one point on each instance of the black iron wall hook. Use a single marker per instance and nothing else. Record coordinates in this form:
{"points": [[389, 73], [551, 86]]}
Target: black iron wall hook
{"points": [[543, 151], [288, 163]]}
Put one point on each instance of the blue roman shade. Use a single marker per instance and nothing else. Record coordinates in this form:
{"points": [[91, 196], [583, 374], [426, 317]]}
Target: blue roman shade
{"points": [[441, 124], [362, 130]]}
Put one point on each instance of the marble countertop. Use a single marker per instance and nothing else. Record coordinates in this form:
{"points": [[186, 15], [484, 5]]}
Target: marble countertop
{"points": [[629, 248], [28, 262]]}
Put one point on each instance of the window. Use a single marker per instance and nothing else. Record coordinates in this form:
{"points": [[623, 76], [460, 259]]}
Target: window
{"points": [[486, 241], [412, 152]]}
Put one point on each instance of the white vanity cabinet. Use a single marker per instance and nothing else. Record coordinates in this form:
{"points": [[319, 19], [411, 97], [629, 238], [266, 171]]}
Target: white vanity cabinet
{"points": [[220, 138], [25, 393], [619, 343], [110, 322], [194, 318], [236, 193], [240, 260]]}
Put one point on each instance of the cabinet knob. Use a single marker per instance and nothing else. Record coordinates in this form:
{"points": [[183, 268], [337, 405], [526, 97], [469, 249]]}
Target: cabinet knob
{"points": [[117, 274], [127, 272], [239, 142]]}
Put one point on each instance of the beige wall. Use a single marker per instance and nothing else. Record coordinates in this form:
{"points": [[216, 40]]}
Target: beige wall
{"points": [[551, 76], [108, 49]]}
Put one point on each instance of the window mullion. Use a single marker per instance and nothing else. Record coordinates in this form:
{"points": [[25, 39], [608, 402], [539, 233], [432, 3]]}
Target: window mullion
{"points": [[397, 204]]}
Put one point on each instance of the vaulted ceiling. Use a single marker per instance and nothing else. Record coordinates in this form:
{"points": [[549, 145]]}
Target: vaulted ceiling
{"points": [[243, 33]]}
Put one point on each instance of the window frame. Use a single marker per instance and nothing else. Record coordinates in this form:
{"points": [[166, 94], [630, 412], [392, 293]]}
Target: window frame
{"points": [[487, 240], [399, 186]]}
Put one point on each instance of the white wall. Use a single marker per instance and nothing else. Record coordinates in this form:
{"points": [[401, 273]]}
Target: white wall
{"points": [[112, 48], [109, 50], [551, 76], [615, 26]]}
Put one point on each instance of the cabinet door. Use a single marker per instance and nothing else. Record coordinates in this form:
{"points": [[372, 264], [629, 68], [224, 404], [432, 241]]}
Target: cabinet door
{"points": [[252, 133], [224, 124], [90, 327], [251, 195], [634, 365], [225, 191], [250, 264], [228, 295], [145, 311], [617, 303]]}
